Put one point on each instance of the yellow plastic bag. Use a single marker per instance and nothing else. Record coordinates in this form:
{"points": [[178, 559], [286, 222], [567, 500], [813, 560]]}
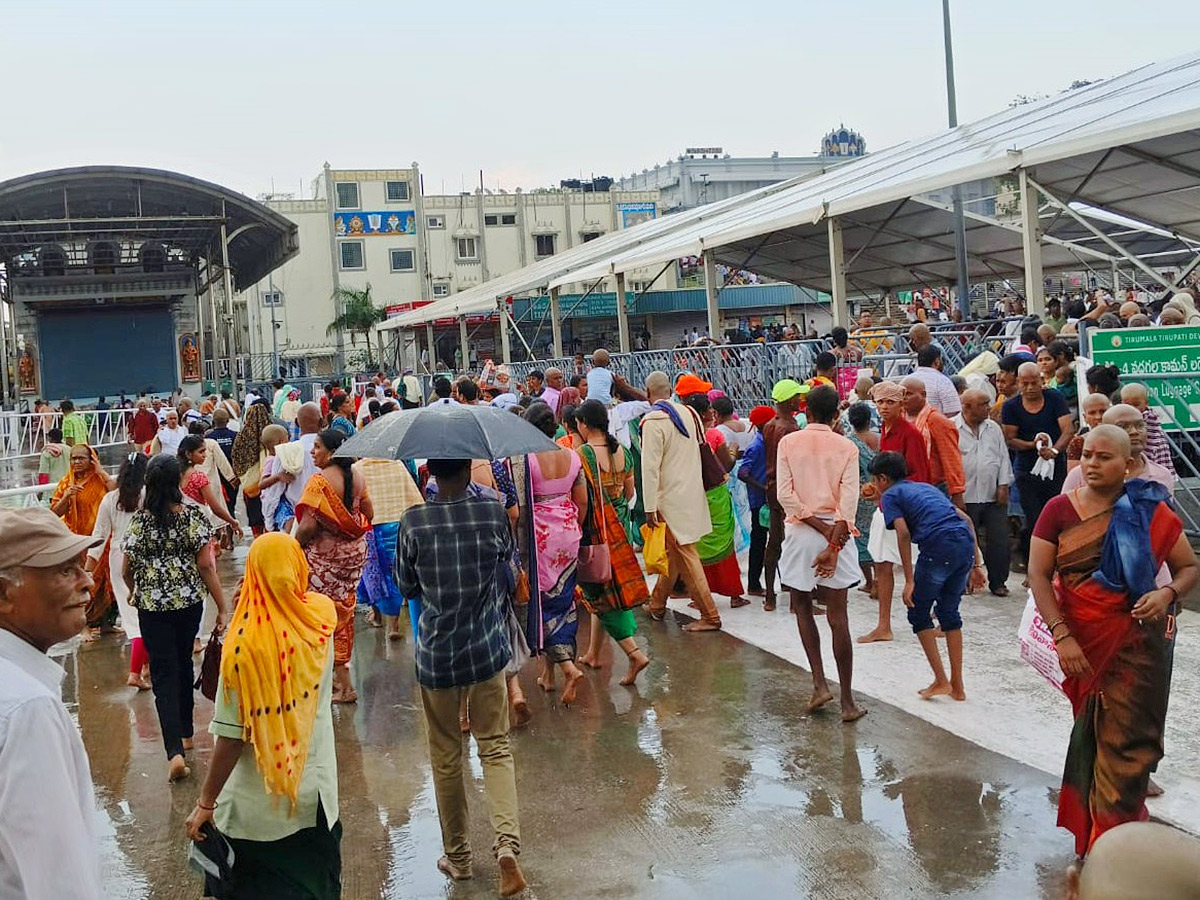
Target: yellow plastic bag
{"points": [[654, 549]]}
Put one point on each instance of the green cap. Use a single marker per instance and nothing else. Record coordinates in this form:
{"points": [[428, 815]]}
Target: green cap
{"points": [[786, 389]]}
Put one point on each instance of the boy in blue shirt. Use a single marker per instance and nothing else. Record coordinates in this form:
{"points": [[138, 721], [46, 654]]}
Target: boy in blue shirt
{"points": [[950, 557]]}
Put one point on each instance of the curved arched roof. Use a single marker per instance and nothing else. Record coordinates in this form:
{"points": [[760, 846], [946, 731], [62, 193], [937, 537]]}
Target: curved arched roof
{"points": [[178, 210]]}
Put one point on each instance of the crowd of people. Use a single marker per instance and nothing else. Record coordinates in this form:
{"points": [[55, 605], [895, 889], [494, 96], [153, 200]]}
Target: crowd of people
{"points": [[958, 482]]}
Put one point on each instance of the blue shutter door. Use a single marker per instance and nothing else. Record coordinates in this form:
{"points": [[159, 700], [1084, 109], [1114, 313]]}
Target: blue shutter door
{"points": [[91, 352]]}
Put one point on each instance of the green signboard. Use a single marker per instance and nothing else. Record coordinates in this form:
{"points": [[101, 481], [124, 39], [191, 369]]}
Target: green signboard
{"points": [[1171, 351]]}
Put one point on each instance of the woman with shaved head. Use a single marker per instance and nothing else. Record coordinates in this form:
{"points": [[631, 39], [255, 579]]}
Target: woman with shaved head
{"points": [[1094, 554]]}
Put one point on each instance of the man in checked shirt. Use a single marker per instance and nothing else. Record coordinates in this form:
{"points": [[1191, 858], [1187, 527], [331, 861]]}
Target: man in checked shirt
{"points": [[453, 554]]}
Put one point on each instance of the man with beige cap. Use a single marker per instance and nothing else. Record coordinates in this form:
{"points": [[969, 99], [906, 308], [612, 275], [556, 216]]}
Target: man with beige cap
{"points": [[48, 840]]}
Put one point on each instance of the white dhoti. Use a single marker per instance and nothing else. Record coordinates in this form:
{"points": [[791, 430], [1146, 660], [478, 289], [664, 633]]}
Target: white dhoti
{"points": [[801, 547], [882, 543]]}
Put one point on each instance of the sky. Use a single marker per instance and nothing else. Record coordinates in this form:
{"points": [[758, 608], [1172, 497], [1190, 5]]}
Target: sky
{"points": [[258, 95]]}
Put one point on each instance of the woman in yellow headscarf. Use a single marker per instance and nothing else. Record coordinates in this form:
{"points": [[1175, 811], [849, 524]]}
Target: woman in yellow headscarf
{"points": [[272, 785], [76, 501]]}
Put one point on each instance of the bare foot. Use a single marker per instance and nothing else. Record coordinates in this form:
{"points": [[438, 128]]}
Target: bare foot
{"points": [[637, 662], [702, 626], [395, 636], [958, 694], [818, 611], [769, 603], [738, 602], [188, 744], [819, 699], [138, 681], [520, 713], [571, 688], [177, 769], [756, 592], [876, 635], [590, 661], [852, 714], [937, 689]]}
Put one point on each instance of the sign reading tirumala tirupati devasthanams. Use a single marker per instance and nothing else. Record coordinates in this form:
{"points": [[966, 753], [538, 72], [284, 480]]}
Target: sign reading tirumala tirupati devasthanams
{"points": [[1171, 351]]}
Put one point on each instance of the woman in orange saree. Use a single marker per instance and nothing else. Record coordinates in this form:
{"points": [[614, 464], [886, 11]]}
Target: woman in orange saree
{"points": [[76, 501], [1094, 558], [333, 518]]}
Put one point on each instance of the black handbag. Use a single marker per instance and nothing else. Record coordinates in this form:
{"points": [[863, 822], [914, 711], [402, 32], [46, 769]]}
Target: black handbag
{"points": [[712, 473], [210, 668]]}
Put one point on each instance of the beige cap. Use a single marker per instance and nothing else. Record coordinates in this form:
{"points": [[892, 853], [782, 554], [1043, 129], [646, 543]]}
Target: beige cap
{"points": [[38, 538]]}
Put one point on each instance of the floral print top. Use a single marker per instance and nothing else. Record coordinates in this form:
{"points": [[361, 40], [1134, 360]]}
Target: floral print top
{"points": [[163, 560]]}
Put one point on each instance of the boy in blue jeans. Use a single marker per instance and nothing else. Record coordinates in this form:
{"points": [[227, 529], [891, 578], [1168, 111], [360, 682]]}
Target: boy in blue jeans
{"points": [[950, 558]]}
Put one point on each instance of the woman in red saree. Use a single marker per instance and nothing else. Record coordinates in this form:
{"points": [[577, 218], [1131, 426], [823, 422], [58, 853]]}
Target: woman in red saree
{"points": [[1092, 567], [333, 518]]}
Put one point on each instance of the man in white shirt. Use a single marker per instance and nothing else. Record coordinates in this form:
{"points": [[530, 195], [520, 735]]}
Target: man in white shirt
{"points": [[939, 389], [988, 470], [49, 846], [308, 420], [169, 435]]}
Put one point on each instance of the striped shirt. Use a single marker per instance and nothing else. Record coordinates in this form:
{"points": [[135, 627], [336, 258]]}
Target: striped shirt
{"points": [[454, 556]]}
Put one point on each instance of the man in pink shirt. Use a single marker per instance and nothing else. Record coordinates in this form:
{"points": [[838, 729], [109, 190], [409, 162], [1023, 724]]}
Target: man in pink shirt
{"points": [[817, 485]]}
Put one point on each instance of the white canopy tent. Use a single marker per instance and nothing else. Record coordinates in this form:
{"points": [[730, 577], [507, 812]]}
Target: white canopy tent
{"points": [[1082, 172], [1129, 145]]}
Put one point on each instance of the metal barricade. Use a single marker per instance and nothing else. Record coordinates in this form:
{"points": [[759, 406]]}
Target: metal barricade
{"points": [[25, 497], [24, 434], [1185, 456]]}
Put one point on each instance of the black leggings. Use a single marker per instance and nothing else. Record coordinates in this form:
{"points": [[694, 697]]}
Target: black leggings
{"points": [[758, 550], [169, 638]]}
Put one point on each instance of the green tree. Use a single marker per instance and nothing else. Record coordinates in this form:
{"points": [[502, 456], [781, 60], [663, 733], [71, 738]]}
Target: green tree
{"points": [[359, 315]]}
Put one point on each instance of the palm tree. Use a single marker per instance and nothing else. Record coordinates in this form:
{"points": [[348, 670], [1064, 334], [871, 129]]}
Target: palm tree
{"points": [[358, 314]]}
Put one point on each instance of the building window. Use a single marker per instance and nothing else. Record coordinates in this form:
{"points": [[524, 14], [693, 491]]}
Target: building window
{"points": [[272, 298], [441, 289], [352, 254], [347, 194], [397, 191], [403, 260], [591, 235], [544, 244], [508, 219], [466, 249], [435, 221], [491, 220]]}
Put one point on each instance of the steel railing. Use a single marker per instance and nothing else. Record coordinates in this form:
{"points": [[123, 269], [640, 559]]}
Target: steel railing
{"points": [[25, 434]]}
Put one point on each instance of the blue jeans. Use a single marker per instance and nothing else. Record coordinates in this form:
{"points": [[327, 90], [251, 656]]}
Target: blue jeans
{"points": [[940, 580]]}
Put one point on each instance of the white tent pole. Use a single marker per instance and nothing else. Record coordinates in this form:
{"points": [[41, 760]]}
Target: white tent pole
{"points": [[711, 292], [622, 314], [1031, 243], [837, 272], [556, 322], [463, 344], [505, 348]]}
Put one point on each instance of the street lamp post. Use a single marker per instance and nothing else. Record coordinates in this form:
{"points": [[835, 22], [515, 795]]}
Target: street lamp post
{"points": [[960, 228]]}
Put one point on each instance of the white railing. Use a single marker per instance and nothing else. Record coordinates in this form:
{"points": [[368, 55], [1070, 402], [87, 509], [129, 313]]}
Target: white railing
{"points": [[24, 497], [24, 434]]}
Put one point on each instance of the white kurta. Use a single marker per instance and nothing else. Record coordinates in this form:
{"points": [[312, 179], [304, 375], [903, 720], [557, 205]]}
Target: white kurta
{"points": [[113, 521], [671, 478]]}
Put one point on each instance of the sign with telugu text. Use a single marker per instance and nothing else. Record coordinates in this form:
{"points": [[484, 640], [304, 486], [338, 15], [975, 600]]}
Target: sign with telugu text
{"points": [[1157, 351]]}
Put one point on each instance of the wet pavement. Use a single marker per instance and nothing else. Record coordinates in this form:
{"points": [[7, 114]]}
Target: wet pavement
{"points": [[708, 780]]}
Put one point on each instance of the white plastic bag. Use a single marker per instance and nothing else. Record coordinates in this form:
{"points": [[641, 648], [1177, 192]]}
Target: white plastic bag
{"points": [[1042, 468], [1037, 646]]}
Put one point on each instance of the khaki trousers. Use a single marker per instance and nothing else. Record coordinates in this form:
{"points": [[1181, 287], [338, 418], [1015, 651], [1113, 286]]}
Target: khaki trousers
{"points": [[488, 703], [684, 562]]}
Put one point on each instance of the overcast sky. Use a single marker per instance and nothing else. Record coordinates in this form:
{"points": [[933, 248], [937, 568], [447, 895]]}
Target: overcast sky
{"points": [[256, 94]]}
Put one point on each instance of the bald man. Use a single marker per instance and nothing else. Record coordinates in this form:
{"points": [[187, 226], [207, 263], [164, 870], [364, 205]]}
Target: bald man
{"points": [[1037, 423], [941, 441], [988, 473], [920, 337], [308, 420], [1129, 420], [1158, 448], [1139, 861]]}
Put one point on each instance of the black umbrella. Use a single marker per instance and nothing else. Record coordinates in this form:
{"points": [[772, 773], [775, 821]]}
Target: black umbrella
{"points": [[447, 431]]}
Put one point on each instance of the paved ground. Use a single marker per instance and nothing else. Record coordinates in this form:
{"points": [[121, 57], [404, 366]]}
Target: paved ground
{"points": [[707, 781]]}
